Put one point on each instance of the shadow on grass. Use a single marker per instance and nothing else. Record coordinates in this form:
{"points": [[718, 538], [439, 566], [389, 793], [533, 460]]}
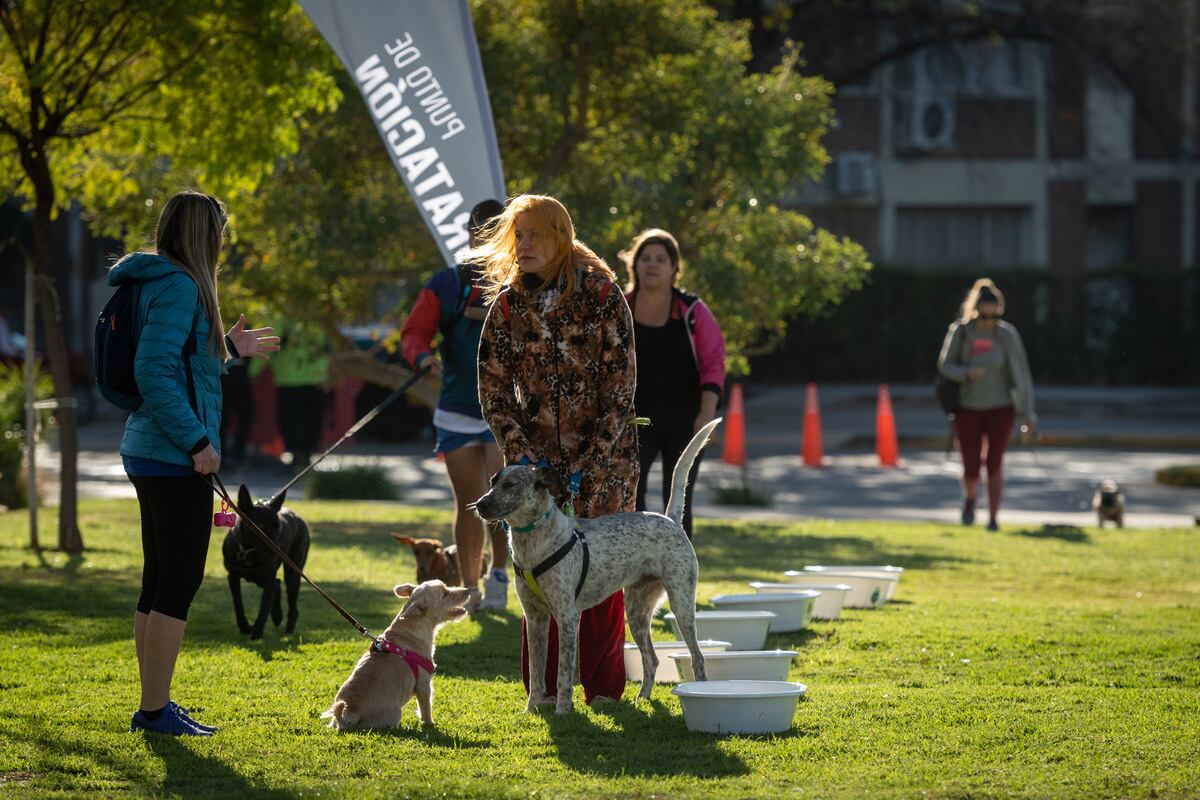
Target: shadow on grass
{"points": [[1067, 533], [188, 773], [430, 735], [751, 551], [194, 774], [99, 610], [69, 567], [496, 653], [586, 747]]}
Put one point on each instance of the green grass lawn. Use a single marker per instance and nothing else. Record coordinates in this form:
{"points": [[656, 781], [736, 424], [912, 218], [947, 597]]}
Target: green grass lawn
{"points": [[1052, 662]]}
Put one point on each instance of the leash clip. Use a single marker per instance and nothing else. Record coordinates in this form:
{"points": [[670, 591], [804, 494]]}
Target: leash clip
{"points": [[224, 518]]}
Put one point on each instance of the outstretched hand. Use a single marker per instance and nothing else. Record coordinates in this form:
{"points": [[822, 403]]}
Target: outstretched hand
{"points": [[253, 343]]}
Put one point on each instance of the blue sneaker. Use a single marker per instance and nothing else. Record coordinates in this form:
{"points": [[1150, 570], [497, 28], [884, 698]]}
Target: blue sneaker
{"points": [[187, 715], [170, 723]]}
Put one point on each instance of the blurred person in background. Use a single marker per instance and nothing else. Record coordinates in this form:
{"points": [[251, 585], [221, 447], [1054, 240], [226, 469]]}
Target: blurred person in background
{"points": [[985, 356], [452, 304]]}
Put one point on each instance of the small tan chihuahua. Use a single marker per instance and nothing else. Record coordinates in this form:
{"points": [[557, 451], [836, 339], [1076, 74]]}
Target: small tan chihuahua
{"points": [[400, 663]]}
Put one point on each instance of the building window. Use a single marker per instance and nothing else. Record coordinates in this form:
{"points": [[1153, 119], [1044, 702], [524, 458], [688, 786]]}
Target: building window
{"points": [[948, 238], [1108, 236]]}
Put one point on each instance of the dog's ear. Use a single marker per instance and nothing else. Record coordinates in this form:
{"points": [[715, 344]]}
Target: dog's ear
{"points": [[277, 503], [245, 501], [414, 607], [547, 478], [408, 540]]}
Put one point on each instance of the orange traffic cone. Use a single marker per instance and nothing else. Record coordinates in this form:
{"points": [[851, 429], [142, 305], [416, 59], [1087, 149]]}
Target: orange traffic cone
{"points": [[734, 451], [886, 446], [813, 454], [274, 448]]}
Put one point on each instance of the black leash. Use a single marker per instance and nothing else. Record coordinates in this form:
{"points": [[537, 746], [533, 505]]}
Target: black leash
{"points": [[530, 576], [370, 415], [219, 488]]}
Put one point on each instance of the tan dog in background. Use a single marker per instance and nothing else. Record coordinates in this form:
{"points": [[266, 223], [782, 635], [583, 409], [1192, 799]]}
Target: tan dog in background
{"points": [[435, 562], [383, 681]]}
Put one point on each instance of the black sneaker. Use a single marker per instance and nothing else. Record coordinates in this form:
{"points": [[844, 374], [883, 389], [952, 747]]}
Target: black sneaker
{"points": [[968, 512], [992, 526]]}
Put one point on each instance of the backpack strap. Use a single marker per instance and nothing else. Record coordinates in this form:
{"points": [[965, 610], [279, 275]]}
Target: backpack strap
{"points": [[189, 349], [605, 288]]}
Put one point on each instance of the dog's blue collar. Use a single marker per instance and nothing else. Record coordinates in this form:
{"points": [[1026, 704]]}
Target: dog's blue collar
{"points": [[531, 526]]}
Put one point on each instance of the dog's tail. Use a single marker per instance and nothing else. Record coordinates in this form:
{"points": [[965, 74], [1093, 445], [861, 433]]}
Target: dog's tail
{"points": [[683, 466], [339, 715]]}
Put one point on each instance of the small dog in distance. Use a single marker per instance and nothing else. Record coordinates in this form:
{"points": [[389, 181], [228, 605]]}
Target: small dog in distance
{"points": [[1109, 504], [385, 679]]}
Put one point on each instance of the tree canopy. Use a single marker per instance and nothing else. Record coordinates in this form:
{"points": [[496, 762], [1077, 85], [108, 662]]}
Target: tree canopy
{"points": [[118, 103], [633, 114]]}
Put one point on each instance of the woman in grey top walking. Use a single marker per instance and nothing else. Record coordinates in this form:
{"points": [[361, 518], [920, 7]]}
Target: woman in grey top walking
{"points": [[985, 355]]}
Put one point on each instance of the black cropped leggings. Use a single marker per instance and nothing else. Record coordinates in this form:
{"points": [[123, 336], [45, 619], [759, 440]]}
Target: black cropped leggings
{"points": [[176, 527]]}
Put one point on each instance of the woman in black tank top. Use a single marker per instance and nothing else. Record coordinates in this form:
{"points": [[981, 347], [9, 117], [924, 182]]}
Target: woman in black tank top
{"points": [[669, 364]]}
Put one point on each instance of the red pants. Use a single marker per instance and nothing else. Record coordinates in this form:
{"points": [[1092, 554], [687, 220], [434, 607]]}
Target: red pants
{"points": [[971, 426], [601, 651]]}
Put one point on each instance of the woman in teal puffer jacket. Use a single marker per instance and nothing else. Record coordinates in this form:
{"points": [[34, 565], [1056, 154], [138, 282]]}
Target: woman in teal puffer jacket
{"points": [[175, 433]]}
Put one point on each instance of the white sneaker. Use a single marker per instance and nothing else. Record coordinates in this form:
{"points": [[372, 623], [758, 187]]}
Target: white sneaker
{"points": [[495, 590], [474, 600]]}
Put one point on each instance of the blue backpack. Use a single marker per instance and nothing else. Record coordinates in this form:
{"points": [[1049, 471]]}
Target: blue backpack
{"points": [[114, 349]]}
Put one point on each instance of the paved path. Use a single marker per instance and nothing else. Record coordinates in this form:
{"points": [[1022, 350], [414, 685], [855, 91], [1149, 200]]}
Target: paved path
{"points": [[1052, 485]]}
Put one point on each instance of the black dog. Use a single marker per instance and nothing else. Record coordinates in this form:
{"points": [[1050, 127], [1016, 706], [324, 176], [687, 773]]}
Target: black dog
{"points": [[248, 558]]}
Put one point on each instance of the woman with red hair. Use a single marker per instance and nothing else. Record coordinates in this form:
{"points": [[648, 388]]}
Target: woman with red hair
{"points": [[556, 383]]}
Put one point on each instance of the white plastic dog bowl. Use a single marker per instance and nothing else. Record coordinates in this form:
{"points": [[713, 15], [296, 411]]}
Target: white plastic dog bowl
{"points": [[744, 630], [827, 606], [883, 570], [739, 706], [866, 591], [666, 672], [792, 610], [739, 665]]}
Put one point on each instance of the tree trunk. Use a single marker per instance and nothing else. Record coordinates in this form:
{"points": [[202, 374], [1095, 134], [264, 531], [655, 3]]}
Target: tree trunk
{"points": [[69, 538]]}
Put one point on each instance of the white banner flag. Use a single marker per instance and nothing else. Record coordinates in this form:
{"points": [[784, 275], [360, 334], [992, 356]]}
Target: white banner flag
{"points": [[417, 66]]}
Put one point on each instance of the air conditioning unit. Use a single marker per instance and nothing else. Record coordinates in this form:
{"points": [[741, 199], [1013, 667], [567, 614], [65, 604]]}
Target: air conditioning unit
{"points": [[929, 122], [854, 174]]}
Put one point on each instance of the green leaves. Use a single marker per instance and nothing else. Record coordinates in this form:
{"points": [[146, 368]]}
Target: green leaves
{"points": [[634, 114], [130, 101]]}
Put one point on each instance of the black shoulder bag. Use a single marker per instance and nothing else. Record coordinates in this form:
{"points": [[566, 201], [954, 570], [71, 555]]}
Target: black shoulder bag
{"points": [[947, 392]]}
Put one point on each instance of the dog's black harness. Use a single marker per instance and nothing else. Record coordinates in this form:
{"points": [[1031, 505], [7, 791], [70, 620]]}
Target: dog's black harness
{"points": [[530, 576]]}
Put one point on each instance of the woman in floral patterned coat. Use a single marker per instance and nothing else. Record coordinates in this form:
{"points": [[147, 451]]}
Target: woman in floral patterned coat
{"points": [[556, 384]]}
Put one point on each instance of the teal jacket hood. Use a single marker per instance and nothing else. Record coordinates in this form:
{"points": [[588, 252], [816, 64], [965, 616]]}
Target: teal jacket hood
{"points": [[140, 267]]}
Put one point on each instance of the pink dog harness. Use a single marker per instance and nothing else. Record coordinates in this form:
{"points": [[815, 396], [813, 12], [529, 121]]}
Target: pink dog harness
{"points": [[416, 661]]}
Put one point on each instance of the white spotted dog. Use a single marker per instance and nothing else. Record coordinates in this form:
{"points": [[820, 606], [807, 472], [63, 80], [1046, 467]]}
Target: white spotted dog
{"points": [[567, 565]]}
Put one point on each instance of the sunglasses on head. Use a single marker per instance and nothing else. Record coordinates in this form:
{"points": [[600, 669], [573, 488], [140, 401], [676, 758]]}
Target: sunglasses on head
{"points": [[988, 316]]}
